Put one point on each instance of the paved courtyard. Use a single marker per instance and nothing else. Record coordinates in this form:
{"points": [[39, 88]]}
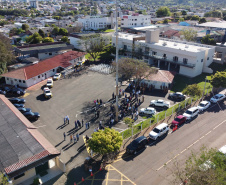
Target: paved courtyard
{"points": [[74, 97]]}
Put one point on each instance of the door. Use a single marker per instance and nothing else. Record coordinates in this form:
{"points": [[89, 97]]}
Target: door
{"points": [[41, 168], [11, 82]]}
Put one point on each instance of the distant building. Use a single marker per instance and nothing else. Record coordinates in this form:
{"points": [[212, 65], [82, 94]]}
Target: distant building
{"points": [[135, 20], [34, 4], [187, 58]]}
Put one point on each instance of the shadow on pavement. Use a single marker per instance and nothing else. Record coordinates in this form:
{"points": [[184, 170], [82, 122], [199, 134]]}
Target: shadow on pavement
{"points": [[41, 97]]}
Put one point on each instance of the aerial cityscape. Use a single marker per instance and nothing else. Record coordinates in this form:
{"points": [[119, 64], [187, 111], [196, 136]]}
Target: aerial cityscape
{"points": [[112, 92]]}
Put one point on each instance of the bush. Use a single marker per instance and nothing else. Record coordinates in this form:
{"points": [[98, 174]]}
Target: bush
{"points": [[36, 181]]}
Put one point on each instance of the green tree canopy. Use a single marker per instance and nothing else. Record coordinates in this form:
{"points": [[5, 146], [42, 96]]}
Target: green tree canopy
{"points": [[34, 39], [163, 12], [195, 18], [166, 21], [46, 25], [105, 141], [63, 31], [6, 53], [41, 32], [47, 39], [3, 179], [218, 79], [55, 30], [193, 90], [207, 40], [189, 34], [64, 39], [202, 20], [183, 12], [214, 13], [25, 27]]}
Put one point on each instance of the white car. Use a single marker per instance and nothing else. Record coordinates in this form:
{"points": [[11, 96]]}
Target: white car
{"points": [[217, 97], [49, 82], [191, 113], [160, 103], [148, 110], [158, 131], [203, 105], [57, 76], [47, 92], [223, 149]]}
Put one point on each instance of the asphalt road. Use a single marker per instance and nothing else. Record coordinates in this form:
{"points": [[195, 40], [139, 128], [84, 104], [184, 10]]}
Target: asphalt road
{"points": [[208, 129]]}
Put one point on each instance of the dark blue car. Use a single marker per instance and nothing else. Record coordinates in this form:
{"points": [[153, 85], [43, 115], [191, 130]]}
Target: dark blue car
{"points": [[137, 145]]}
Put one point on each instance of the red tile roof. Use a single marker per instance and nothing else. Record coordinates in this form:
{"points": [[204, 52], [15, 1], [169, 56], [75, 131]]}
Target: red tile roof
{"points": [[43, 66], [170, 33], [162, 76]]}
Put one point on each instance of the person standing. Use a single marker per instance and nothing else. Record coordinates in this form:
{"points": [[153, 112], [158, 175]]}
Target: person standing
{"points": [[79, 124], [70, 138], [82, 122], [88, 124], [64, 136], [77, 136], [101, 102], [76, 125], [74, 138]]}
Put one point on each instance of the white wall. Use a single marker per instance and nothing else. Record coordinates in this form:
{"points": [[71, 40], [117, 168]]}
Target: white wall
{"points": [[94, 22], [42, 56], [28, 174], [135, 21]]}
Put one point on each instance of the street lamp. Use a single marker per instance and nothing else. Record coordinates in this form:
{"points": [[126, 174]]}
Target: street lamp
{"points": [[116, 60]]}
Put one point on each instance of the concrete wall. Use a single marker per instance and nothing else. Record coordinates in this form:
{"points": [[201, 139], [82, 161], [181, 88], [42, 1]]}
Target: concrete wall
{"points": [[60, 164], [28, 174], [42, 56], [155, 83]]}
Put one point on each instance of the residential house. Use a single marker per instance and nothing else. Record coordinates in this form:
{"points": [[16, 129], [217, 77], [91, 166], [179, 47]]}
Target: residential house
{"points": [[35, 73], [135, 20]]}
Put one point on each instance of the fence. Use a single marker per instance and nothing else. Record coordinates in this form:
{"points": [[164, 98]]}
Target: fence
{"points": [[158, 117], [102, 68]]}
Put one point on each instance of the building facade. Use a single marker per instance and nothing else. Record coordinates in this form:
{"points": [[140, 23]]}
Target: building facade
{"points": [[188, 59], [135, 20]]}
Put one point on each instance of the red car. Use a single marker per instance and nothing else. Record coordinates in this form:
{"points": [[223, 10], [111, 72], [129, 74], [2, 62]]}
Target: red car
{"points": [[179, 120]]}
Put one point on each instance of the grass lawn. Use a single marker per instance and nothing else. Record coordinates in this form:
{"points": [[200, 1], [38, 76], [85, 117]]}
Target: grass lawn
{"points": [[109, 30]]}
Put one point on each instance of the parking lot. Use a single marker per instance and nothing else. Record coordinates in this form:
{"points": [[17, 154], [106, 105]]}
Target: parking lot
{"points": [[74, 97]]}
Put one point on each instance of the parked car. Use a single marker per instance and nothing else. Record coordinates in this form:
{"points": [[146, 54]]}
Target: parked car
{"points": [[80, 63], [2, 92], [22, 109], [160, 103], [47, 93], [158, 131], [217, 97], [17, 100], [57, 76], [18, 105], [177, 96], [179, 120], [223, 149], [147, 111], [5, 89], [136, 145], [31, 115], [191, 113], [203, 105], [17, 91], [49, 82]]}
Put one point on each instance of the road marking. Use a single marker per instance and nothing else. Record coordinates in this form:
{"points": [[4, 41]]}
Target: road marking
{"points": [[26, 94], [190, 145], [107, 175]]}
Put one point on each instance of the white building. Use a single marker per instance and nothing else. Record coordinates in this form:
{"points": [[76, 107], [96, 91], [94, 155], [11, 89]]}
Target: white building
{"points": [[95, 22], [135, 20], [189, 59], [34, 4]]}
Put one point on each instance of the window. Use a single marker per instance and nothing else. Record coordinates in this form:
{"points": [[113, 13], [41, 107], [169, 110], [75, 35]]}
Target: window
{"points": [[201, 60], [50, 53], [38, 76], [185, 60], [53, 70], [125, 47], [175, 59], [113, 44], [18, 176], [19, 80], [154, 53], [23, 81], [15, 80], [208, 58], [7, 78], [135, 19], [42, 75], [164, 56]]}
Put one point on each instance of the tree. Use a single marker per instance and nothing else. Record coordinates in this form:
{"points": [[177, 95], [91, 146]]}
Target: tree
{"points": [[189, 34], [206, 167], [218, 79], [93, 45], [64, 39], [166, 21], [181, 19], [207, 40], [195, 18], [55, 30], [202, 20], [105, 141], [163, 12], [193, 90], [129, 67], [128, 121], [25, 27], [6, 53], [63, 31], [47, 39], [183, 12], [46, 25], [3, 179], [34, 39], [41, 32]]}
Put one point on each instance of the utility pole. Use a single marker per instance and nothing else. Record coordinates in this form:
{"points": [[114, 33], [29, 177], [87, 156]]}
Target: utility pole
{"points": [[116, 60]]}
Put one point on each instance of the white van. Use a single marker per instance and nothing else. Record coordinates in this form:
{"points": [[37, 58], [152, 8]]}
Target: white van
{"points": [[158, 131]]}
